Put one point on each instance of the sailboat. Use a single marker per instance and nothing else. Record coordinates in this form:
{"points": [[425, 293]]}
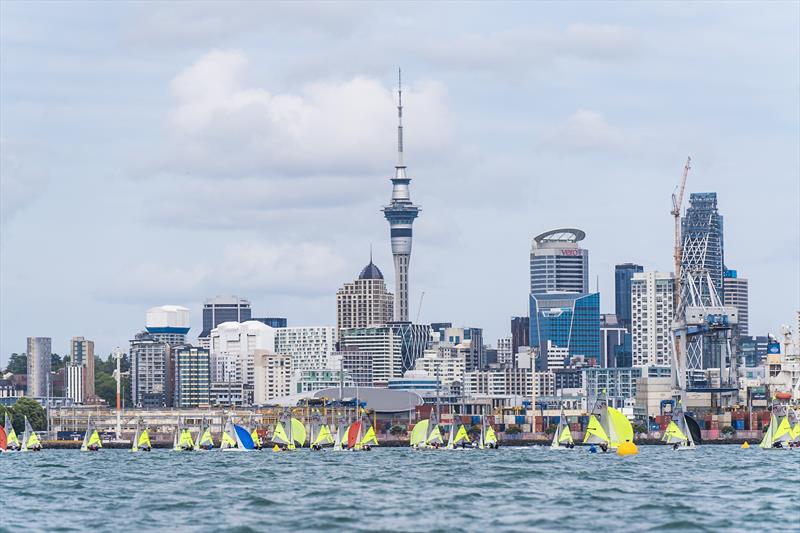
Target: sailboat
{"points": [[289, 432], [228, 441], [426, 434], [678, 433], [12, 441], [778, 432], [489, 438], [91, 439], [365, 440], [205, 441], [30, 441], [182, 441], [795, 433], [457, 436], [340, 436], [141, 440], [562, 438], [607, 427]]}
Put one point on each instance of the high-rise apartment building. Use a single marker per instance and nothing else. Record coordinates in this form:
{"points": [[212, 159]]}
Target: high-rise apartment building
{"points": [[383, 343], [310, 348], [273, 376], [168, 324], [365, 302], [401, 214], [192, 376], [520, 333], [505, 355], [233, 347], [736, 295], [652, 307], [151, 371], [613, 342], [224, 309], [623, 275], [356, 364], [39, 360], [81, 353], [75, 382], [467, 342], [558, 263], [568, 321]]}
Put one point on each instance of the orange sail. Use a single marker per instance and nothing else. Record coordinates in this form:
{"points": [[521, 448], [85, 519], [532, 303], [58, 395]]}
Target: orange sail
{"points": [[352, 434]]}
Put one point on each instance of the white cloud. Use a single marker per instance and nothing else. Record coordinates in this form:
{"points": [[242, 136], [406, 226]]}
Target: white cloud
{"points": [[22, 178], [223, 127], [587, 130]]}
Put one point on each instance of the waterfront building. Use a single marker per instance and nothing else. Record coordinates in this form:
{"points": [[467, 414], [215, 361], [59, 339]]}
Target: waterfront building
{"points": [[150, 371], [558, 263], [445, 362], [618, 385], [653, 390], [224, 309], [81, 353], [233, 346], [401, 214], [567, 379], [314, 380], [365, 302], [230, 394], [504, 382], [192, 376], [168, 324], [356, 364], [565, 320], [736, 295], [520, 333], [310, 348], [39, 359], [753, 349], [273, 376], [418, 381], [505, 353], [652, 295], [623, 276], [273, 322]]}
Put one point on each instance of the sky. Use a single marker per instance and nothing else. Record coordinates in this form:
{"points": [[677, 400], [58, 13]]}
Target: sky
{"points": [[159, 153]]}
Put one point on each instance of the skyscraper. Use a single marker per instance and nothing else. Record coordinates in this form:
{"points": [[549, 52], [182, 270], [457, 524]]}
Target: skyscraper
{"points": [[623, 274], [82, 353], [520, 334], [224, 309], [168, 323], [39, 351], [150, 371], [401, 214], [233, 347], [565, 321], [736, 295], [702, 242], [365, 302], [558, 263], [192, 369], [652, 309]]}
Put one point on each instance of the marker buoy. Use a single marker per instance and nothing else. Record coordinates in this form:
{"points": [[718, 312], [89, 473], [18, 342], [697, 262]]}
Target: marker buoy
{"points": [[627, 448], [745, 445], [276, 448]]}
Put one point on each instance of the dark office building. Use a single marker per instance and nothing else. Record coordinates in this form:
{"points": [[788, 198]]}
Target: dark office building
{"points": [[520, 334], [273, 322], [224, 309], [623, 274]]}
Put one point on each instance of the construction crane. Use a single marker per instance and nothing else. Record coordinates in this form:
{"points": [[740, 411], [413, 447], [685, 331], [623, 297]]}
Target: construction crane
{"points": [[678, 324], [419, 309]]}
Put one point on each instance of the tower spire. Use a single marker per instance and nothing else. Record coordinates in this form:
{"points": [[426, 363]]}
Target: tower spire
{"points": [[400, 118]]}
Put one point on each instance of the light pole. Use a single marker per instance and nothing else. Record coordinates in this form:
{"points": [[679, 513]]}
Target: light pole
{"points": [[118, 375]]}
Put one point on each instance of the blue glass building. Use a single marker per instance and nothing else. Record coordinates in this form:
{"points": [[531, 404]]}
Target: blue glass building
{"points": [[623, 274], [567, 320]]}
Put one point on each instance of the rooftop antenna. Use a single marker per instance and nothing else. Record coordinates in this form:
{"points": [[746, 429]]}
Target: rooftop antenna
{"points": [[400, 118], [370, 253]]}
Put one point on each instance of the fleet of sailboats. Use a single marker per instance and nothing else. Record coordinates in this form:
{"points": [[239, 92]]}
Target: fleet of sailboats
{"points": [[780, 433]]}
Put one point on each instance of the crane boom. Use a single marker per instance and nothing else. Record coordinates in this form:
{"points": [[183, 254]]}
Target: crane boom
{"points": [[677, 202]]}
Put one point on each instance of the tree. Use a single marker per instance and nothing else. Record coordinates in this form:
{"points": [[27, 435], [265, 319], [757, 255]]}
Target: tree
{"points": [[550, 429], [30, 408], [727, 431], [513, 430], [105, 386], [56, 363], [474, 430], [18, 363], [640, 428], [398, 430]]}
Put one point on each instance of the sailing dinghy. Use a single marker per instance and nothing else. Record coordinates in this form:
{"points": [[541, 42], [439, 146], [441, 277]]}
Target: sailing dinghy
{"points": [[91, 439], [12, 441]]}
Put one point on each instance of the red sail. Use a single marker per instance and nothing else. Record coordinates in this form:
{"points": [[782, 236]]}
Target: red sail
{"points": [[3, 439], [352, 434]]}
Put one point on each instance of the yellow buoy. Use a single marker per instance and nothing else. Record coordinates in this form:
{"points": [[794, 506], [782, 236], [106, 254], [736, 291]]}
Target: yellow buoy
{"points": [[276, 448], [627, 448], [745, 445]]}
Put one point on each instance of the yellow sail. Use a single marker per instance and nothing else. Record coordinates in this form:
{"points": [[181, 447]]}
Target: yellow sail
{"points": [[622, 427], [256, 439], [95, 439], [12, 438], [784, 431], [674, 434], [419, 432], [227, 441], [324, 436], [33, 440], [767, 441], [435, 436], [369, 438], [566, 435], [298, 432], [144, 440], [343, 440], [461, 434], [795, 432], [490, 436], [185, 442], [279, 435], [595, 434]]}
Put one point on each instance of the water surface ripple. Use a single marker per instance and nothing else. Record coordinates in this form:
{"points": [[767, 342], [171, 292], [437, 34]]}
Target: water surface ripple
{"points": [[715, 488]]}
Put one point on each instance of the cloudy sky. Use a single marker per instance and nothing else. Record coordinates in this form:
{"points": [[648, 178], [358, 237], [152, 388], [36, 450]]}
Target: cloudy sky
{"points": [[161, 153]]}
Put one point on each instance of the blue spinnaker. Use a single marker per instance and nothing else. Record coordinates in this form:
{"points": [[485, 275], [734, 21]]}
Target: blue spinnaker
{"points": [[245, 438]]}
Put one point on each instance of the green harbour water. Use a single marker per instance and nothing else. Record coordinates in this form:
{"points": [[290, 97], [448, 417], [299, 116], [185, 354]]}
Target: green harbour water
{"points": [[714, 488]]}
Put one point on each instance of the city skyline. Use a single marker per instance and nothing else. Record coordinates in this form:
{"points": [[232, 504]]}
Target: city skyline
{"points": [[288, 220]]}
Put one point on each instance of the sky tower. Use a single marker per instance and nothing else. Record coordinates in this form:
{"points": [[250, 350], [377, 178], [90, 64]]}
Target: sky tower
{"points": [[401, 214]]}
